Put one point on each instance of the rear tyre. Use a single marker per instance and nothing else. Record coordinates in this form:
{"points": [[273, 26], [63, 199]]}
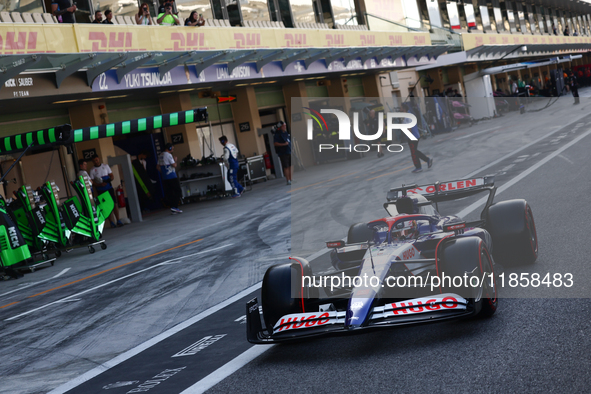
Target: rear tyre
{"points": [[469, 256], [513, 231], [359, 232], [282, 292]]}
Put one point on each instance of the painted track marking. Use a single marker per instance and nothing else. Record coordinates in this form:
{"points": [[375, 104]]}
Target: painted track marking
{"points": [[479, 132], [525, 173], [101, 272], [26, 286], [151, 342], [513, 153], [227, 369], [172, 261]]}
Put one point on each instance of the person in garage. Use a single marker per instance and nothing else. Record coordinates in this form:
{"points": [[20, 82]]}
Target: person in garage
{"points": [[230, 157]]}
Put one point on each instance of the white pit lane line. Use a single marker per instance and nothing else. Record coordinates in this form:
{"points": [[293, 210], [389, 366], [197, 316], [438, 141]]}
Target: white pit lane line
{"points": [[226, 370], [525, 173], [478, 132], [558, 128], [26, 286], [172, 261]]}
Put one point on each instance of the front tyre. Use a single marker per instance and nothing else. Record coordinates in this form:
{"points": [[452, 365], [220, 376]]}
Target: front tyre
{"points": [[469, 257], [283, 293]]}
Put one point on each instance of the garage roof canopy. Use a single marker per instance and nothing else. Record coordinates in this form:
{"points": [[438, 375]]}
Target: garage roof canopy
{"points": [[96, 63]]}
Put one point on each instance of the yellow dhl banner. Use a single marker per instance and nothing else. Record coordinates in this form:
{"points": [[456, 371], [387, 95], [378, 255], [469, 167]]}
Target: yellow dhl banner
{"points": [[65, 38], [21, 38], [471, 40]]}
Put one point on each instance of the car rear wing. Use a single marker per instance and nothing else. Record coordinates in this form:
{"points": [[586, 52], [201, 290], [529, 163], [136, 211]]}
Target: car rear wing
{"points": [[446, 191]]}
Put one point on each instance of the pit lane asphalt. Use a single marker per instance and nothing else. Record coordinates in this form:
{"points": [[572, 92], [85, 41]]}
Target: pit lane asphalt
{"points": [[76, 331], [530, 345], [526, 345]]}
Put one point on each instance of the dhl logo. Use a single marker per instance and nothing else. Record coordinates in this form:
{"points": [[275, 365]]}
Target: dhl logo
{"points": [[516, 40], [479, 41], [115, 41], [368, 40], [420, 40], [395, 40], [295, 40], [18, 42], [335, 40], [505, 40], [187, 41], [492, 40], [248, 40]]}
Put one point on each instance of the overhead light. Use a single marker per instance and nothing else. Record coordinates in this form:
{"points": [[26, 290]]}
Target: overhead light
{"points": [[299, 79], [185, 90], [209, 87], [167, 91], [241, 84], [114, 97], [92, 99], [271, 82], [64, 101]]}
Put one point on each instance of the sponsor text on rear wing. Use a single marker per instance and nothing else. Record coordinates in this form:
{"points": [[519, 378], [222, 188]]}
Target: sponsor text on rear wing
{"points": [[446, 191]]}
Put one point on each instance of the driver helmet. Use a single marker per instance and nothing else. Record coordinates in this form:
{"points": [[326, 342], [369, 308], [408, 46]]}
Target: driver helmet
{"points": [[417, 200], [404, 230]]}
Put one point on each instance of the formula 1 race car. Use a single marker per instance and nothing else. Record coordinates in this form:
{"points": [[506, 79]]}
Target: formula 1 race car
{"points": [[414, 266]]}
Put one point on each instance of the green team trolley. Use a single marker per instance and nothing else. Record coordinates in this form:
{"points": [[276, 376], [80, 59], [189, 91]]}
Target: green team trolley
{"points": [[14, 251], [31, 222], [29, 218], [87, 215], [55, 229]]}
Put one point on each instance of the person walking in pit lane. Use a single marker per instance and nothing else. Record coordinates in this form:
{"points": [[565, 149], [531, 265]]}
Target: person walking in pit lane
{"points": [[166, 166], [230, 157], [415, 153], [573, 83], [282, 143]]}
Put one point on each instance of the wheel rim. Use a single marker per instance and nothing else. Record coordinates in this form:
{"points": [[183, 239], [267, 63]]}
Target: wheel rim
{"points": [[489, 290], [533, 236]]}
